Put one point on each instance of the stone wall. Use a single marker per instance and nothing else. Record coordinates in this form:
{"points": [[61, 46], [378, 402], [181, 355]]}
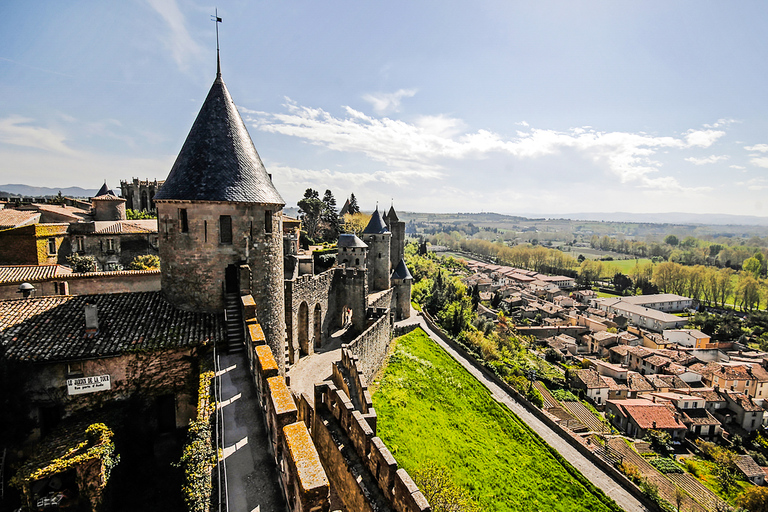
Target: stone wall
{"points": [[358, 464], [302, 478], [28, 245], [371, 346], [381, 300], [145, 375], [347, 377], [303, 295], [350, 290]]}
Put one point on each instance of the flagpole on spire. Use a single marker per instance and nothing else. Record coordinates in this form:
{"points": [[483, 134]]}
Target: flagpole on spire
{"points": [[216, 19]]}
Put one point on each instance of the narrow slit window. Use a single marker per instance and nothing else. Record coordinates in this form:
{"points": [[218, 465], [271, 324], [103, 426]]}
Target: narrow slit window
{"points": [[205, 230], [225, 229], [268, 221], [183, 221]]}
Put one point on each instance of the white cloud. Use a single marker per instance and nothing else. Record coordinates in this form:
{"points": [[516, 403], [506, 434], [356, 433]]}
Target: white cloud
{"points": [[762, 148], [427, 144], [738, 167], [19, 131], [760, 161], [385, 103], [754, 184], [180, 43], [721, 123], [713, 159]]}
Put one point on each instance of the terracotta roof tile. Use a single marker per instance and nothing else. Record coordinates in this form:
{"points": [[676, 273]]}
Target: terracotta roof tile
{"points": [[11, 274], [12, 218]]}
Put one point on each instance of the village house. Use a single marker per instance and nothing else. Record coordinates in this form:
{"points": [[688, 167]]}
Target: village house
{"points": [[687, 337], [637, 416], [593, 386]]}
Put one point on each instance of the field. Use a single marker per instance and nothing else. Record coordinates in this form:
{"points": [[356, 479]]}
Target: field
{"points": [[431, 409], [623, 266]]}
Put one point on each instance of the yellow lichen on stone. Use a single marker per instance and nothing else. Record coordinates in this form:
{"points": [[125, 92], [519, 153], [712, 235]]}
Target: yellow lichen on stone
{"points": [[304, 455], [280, 395], [266, 359], [257, 334]]}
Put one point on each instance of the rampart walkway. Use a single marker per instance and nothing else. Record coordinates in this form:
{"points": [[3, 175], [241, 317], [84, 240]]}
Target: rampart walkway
{"points": [[596, 475], [252, 484]]}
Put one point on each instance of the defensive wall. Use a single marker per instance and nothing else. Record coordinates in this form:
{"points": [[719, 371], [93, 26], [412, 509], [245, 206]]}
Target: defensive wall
{"points": [[371, 346], [334, 443], [308, 300], [302, 477], [89, 283], [552, 422]]}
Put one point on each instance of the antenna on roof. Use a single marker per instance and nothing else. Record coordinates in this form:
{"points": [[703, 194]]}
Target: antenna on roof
{"points": [[215, 18]]}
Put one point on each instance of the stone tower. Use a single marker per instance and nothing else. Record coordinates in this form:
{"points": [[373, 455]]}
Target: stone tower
{"points": [[401, 282], [219, 221], [397, 228], [353, 252], [378, 238]]}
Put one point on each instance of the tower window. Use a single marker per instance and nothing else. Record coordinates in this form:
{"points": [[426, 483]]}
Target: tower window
{"points": [[225, 229], [267, 221], [51, 246], [183, 222], [80, 243]]}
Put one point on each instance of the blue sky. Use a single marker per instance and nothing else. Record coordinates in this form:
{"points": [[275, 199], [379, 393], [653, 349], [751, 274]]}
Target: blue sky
{"points": [[514, 107]]}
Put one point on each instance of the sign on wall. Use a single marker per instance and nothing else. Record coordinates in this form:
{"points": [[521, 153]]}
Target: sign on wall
{"points": [[83, 385]]}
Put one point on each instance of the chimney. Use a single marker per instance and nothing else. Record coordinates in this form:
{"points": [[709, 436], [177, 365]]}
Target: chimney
{"points": [[654, 424], [91, 318]]}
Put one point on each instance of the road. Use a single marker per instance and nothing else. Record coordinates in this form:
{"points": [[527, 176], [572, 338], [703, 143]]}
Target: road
{"points": [[596, 475]]}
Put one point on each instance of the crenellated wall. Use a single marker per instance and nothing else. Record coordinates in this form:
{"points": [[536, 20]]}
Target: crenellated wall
{"points": [[302, 478], [306, 297], [347, 377], [359, 465], [371, 346]]}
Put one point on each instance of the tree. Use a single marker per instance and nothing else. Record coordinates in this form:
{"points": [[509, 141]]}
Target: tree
{"points": [[754, 499], [311, 208], [621, 282], [355, 223], [752, 266], [144, 262], [436, 484], [353, 206], [671, 240], [330, 218]]}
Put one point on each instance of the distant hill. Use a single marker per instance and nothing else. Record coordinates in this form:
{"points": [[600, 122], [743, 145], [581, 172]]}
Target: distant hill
{"points": [[26, 190], [669, 218]]}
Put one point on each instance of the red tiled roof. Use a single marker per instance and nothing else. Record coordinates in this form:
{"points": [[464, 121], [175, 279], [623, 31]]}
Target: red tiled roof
{"points": [[657, 416], [12, 274], [12, 218]]}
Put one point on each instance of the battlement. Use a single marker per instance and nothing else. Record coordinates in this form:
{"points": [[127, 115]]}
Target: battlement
{"points": [[338, 425]]}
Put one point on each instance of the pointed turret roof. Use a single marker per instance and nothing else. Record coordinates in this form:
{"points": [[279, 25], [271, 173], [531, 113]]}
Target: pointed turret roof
{"points": [[392, 215], [218, 161], [376, 225], [401, 271], [103, 191]]}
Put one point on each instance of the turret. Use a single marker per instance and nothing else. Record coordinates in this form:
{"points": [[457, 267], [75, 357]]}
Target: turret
{"points": [[378, 238]]}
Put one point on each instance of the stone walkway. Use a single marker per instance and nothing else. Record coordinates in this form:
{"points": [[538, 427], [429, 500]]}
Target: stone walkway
{"points": [[252, 484], [316, 367], [596, 475]]}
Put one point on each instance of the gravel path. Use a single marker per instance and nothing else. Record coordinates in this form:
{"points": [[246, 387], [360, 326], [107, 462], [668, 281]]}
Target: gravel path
{"points": [[596, 475]]}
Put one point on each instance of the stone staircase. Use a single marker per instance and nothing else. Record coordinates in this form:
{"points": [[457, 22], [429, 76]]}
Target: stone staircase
{"points": [[234, 323]]}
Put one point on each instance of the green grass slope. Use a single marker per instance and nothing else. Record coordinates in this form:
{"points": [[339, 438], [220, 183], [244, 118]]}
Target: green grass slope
{"points": [[431, 409]]}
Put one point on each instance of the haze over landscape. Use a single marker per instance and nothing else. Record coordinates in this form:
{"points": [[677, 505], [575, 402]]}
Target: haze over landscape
{"points": [[543, 108]]}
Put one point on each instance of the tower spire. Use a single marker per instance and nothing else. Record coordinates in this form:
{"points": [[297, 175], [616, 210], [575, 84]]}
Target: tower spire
{"points": [[216, 19]]}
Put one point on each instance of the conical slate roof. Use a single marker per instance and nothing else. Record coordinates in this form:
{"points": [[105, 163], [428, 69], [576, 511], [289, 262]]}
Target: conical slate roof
{"points": [[376, 225], [103, 191], [218, 161], [401, 271]]}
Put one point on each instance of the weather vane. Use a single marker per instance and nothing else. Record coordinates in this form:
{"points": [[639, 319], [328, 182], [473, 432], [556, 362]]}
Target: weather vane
{"points": [[215, 18]]}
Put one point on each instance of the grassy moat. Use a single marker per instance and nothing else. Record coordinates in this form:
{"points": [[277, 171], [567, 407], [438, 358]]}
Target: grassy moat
{"points": [[432, 409]]}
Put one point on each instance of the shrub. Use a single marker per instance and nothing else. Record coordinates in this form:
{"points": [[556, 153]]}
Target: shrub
{"points": [[630, 471], [82, 264], [693, 467], [145, 262], [563, 395]]}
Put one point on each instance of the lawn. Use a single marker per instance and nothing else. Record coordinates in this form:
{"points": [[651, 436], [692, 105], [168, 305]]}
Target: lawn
{"points": [[623, 266], [431, 409]]}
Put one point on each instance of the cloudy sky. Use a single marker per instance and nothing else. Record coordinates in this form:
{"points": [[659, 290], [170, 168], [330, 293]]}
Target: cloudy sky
{"points": [[514, 107]]}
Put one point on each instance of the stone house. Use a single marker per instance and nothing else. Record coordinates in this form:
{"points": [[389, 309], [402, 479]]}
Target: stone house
{"points": [[592, 384], [637, 416]]}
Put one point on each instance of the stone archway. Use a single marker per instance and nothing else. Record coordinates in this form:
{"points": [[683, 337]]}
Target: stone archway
{"points": [[303, 329], [346, 317], [318, 325]]}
